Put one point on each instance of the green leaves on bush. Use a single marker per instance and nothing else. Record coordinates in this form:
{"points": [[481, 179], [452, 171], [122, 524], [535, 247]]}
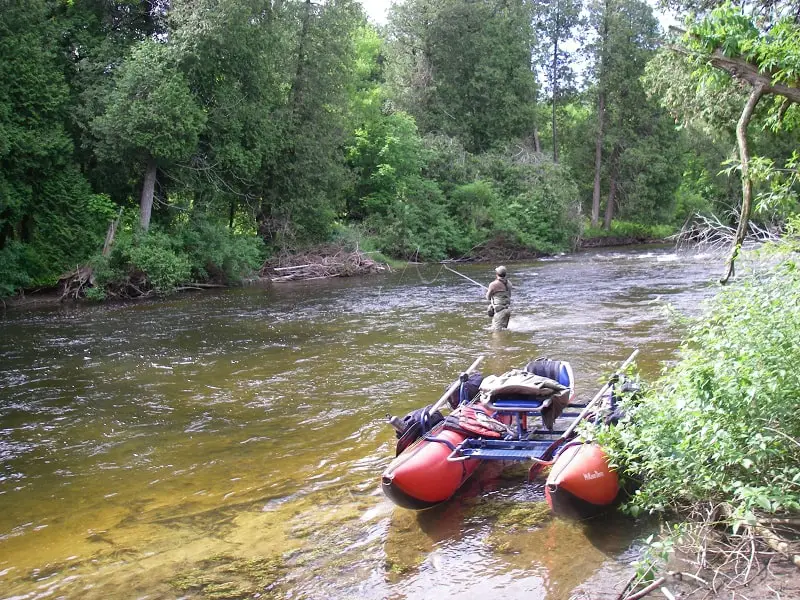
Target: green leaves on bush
{"points": [[722, 425], [200, 251]]}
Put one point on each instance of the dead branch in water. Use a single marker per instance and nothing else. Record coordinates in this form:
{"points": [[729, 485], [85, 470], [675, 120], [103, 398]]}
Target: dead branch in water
{"points": [[73, 285], [710, 235]]}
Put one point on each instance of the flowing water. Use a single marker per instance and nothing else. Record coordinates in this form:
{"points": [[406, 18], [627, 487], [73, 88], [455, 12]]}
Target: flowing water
{"points": [[230, 444]]}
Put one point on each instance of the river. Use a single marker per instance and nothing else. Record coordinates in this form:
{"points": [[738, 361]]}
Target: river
{"points": [[230, 444]]}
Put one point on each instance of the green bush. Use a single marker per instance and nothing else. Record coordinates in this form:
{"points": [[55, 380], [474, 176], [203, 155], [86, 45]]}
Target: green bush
{"points": [[153, 254], [216, 252], [471, 204], [417, 226], [722, 425], [196, 251], [13, 270], [536, 204]]}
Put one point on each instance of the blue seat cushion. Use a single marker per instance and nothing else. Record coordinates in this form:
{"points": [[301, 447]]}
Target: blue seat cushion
{"points": [[563, 376], [515, 401]]}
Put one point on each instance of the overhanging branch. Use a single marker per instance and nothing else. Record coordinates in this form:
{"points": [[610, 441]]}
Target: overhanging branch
{"points": [[746, 71]]}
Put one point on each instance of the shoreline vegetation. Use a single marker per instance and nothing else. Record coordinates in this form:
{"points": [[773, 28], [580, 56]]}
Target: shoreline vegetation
{"points": [[320, 262], [713, 445]]}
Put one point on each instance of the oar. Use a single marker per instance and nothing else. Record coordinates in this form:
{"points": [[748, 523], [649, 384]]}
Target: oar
{"points": [[441, 402], [548, 454], [464, 276]]}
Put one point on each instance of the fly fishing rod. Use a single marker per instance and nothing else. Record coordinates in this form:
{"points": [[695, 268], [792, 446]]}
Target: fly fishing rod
{"points": [[464, 276]]}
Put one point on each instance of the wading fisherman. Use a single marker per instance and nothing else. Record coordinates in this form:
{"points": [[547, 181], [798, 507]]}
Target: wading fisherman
{"points": [[499, 296]]}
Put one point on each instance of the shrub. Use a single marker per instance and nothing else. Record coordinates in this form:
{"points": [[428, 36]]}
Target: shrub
{"points": [[152, 260], [536, 202], [722, 424], [216, 252], [13, 272], [628, 230]]}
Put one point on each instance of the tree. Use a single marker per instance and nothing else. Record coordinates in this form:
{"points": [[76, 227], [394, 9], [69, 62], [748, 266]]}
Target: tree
{"points": [[236, 57], [49, 217], [302, 188], [151, 120], [555, 24], [626, 34], [463, 68], [728, 42]]}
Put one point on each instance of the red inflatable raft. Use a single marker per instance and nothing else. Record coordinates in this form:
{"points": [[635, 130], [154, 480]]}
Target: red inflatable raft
{"points": [[580, 483], [422, 476], [436, 455]]}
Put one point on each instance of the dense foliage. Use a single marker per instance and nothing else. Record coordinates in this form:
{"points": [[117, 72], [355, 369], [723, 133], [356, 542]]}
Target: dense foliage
{"points": [[459, 125], [722, 424]]}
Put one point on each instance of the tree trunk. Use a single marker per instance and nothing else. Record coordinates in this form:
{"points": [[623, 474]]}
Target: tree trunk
{"points": [[111, 233], [613, 174], [598, 158], [612, 198], [747, 183], [146, 199], [537, 144], [555, 83]]}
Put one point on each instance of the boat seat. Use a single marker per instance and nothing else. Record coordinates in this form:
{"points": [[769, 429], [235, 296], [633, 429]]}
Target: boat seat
{"points": [[517, 403], [542, 389]]}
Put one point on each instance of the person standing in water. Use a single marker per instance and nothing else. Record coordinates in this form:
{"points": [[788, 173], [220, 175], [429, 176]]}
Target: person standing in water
{"points": [[499, 296]]}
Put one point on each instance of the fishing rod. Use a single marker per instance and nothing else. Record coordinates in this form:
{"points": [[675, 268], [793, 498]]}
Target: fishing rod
{"points": [[465, 277]]}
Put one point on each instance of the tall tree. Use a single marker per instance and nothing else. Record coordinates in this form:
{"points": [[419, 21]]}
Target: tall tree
{"points": [[463, 68], [96, 37], [626, 34], [557, 22], [302, 187], [49, 217], [152, 118], [236, 57]]}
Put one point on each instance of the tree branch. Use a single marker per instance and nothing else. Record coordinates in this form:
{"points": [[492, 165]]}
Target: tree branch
{"points": [[742, 70], [746, 71], [747, 183]]}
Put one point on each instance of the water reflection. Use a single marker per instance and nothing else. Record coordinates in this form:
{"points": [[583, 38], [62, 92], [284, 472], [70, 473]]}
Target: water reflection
{"points": [[151, 438]]}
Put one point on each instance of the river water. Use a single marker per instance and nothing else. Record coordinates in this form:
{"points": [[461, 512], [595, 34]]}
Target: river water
{"points": [[230, 445]]}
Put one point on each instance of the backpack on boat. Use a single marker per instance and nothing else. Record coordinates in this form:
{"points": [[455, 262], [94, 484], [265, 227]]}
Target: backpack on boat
{"points": [[466, 391], [476, 422], [416, 423]]}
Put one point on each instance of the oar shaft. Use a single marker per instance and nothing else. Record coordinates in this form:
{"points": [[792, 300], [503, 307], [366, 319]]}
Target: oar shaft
{"points": [[599, 395], [465, 277], [441, 402]]}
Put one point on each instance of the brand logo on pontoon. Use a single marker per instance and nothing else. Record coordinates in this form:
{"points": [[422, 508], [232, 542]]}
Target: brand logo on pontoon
{"points": [[595, 475]]}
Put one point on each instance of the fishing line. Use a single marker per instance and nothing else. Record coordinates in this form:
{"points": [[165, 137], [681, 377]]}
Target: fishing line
{"points": [[419, 274]]}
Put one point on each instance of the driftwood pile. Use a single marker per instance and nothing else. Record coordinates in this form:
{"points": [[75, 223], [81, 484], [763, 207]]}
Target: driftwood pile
{"points": [[320, 264], [500, 249]]}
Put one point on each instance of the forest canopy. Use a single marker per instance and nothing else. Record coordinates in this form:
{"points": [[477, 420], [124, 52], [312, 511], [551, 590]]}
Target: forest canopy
{"points": [[213, 134]]}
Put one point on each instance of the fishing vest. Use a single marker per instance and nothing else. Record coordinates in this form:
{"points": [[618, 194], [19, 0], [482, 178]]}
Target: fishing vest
{"points": [[502, 299]]}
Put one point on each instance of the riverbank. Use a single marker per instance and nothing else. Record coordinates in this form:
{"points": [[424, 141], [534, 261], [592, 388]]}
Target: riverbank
{"points": [[322, 262], [611, 241]]}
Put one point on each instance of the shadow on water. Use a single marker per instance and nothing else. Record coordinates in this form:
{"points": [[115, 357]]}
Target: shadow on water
{"points": [[227, 444]]}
